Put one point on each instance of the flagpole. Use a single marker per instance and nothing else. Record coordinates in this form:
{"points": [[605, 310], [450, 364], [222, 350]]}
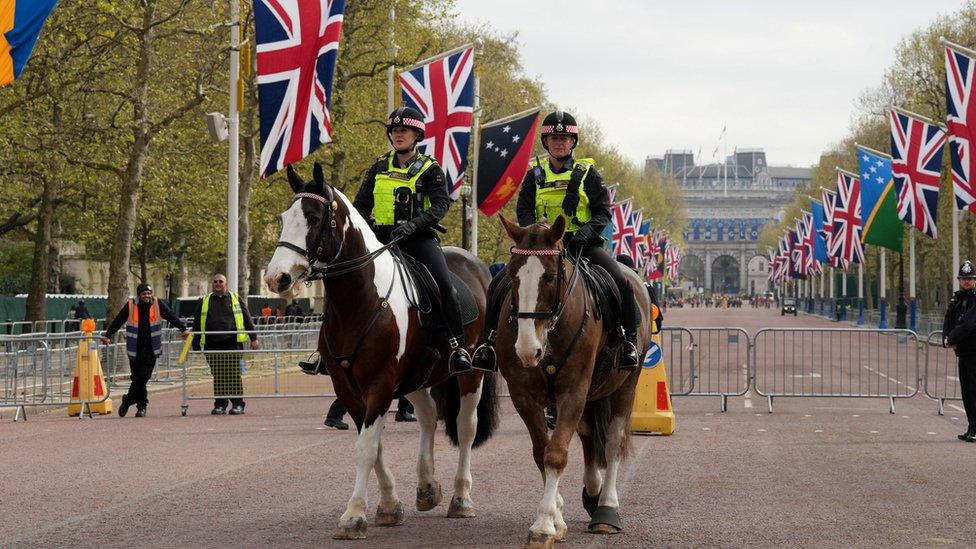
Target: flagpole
{"points": [[233, 128], [833, 293], [391, 70], [860, 294], [882, 294], [822, 274], [471, 213], [955, 249], [911, 280], [843, 294]]}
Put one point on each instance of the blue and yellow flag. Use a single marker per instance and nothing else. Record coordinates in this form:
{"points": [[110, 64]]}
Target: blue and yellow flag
{"points": [[20, 25], [879, 205]]}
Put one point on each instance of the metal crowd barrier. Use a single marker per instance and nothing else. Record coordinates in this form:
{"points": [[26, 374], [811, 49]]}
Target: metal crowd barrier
{"points": [[941, 371], [796, 362], [38, 371], [678, 348], [721, 363], [271, 371]]}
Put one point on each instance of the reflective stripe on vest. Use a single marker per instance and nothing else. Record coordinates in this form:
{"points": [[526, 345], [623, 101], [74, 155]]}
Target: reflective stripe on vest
{"points": [[387, 182], [550, 192], [235, 306], [155, 329]]}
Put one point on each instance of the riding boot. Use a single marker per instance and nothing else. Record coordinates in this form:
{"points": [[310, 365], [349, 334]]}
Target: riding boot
{"points": [[484, 356], [313, 366], [460, 360], [629, 356]]}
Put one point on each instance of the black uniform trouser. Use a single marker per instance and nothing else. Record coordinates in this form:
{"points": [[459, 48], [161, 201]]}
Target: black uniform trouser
{"points": [[141, 369], [226, 371], [427, 250], [967, 384]]}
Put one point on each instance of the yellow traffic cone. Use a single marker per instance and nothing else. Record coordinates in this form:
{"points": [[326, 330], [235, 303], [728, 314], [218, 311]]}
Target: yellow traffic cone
{"points": [[88, 386], [652, 401]]}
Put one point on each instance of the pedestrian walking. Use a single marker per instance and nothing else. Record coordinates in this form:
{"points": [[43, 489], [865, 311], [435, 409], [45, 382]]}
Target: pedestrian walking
{"points": [[221, 312], [959, 334], [143, 319]]}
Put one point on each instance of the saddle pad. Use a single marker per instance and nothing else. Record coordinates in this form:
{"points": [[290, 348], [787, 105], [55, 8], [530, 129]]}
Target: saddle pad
{"points": [[605, 294], [430, 299]]}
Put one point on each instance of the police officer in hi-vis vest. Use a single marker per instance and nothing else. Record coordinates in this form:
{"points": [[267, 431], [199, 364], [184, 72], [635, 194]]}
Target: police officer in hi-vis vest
{"points": [[224, 324], [143, 319], [563, 185], [959, 334], [404, 195]]}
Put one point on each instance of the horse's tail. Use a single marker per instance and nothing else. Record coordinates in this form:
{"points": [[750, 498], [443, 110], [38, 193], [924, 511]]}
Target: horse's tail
{"points": [[598, 417], [449, 405]]}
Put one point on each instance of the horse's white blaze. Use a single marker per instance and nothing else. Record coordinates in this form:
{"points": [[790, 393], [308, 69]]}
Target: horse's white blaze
{"points": [[384, 271], [294, 229], [529, 343]]}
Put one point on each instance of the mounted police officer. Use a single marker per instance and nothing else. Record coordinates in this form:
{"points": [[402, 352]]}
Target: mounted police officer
{"points": [[143, 320], [404, 195], [563, 185], [959, 334]]}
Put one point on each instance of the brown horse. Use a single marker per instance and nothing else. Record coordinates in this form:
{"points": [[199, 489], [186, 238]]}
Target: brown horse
{"points": [[551, 349], [373, 344]]}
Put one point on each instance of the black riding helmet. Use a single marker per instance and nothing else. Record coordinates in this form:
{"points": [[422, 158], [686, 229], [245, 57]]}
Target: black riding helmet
{"points": [[559, 123], [406, 117]]}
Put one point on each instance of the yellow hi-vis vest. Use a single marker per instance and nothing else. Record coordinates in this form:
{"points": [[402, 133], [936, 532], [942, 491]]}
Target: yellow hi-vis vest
{"points": [[387, 182], [550, 190], [235, 306]]}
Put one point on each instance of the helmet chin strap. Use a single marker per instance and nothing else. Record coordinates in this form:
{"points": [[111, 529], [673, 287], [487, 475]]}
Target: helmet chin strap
{"points": [[389, 137]]}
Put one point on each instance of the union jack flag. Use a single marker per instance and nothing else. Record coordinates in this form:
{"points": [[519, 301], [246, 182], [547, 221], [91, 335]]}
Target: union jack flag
{"points": [[652, 267], [961, 119], [810, 264], [636, 220], [845, 240], [783, 259], [643, 245], [623, 231], [916, 165], [443, 91], [297, 45], [829, 198], [672, 260]]}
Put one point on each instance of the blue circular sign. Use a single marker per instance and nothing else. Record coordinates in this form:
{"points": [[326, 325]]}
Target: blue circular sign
{"points": [[653, 355]]}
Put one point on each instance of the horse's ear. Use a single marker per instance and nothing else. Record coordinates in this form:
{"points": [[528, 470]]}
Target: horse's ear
{"points": [[557, 230], [515, 232], [318, 179], [296, 182]]}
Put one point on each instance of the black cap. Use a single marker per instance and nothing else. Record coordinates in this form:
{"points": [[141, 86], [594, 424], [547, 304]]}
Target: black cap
{"points": [[143, 288]]}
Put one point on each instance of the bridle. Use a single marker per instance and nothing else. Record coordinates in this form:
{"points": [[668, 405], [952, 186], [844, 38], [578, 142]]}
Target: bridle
{"points": [[330, 268], [556, 311]]}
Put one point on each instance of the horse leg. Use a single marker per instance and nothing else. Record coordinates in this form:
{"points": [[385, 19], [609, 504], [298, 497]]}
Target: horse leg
{"points": [[389, 512], [428, 489], [608, 506], [467, 425], [592, 472], [352, 523]]}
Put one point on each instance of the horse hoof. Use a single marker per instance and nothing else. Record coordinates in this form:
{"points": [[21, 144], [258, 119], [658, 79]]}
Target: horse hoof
{"points": [[540, 541], [354, 528], [460, 508], [605, 520], [429, 496], [561, 533], [389, 517]]}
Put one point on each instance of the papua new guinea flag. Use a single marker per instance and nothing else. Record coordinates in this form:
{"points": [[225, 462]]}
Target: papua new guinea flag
{"points": [[20, 25], [506, 146]]}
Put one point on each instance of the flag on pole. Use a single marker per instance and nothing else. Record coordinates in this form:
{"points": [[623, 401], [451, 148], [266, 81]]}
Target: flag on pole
{"points": [[829, 201], [20, 25], [961, 120], [623, 232], [636, 220], [845, 240], [297, 46], [443, 91], [642, 260], [916, 165], [672, 260], [879, 208], [504, 158], [651, 270], [796, 254], [817, 220]]}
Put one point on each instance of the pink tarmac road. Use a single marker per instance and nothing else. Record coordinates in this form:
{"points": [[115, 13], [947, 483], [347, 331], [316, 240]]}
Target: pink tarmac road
{"points": [[816, 473]]}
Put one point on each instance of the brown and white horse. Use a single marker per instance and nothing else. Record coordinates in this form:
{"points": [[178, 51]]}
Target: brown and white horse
{"points": [[551, 348], [373, 345]]}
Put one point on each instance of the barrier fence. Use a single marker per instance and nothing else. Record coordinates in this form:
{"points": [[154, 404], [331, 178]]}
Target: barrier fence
{"points": [[726, 362]]}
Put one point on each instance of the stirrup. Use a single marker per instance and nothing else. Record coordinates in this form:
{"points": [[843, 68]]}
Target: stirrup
{"points": [[484, 358], [311, 367], [620, 359], [459, 352]]}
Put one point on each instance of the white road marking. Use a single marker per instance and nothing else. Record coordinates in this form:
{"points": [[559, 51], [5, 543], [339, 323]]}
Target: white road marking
{"points": [[957, 408], [874, 432], [889, 378], [931, 433], [706, 428], [818, 430], [807, 415], [761, 430], [856, 415], [747, 402]]}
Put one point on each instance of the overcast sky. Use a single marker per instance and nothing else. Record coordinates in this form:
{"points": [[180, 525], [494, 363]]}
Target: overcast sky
{"points": [[784, 75]]}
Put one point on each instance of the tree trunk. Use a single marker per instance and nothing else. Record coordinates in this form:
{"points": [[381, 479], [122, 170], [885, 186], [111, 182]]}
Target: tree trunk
{"points": [[118, 278], [36, 302]]}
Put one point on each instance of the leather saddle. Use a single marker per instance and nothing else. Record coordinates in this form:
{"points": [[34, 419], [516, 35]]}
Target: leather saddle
{"points": [[429, 295], [605, 294]]}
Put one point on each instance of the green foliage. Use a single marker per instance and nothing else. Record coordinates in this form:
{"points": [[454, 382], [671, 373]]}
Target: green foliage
{"points": [[15, 267]]}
